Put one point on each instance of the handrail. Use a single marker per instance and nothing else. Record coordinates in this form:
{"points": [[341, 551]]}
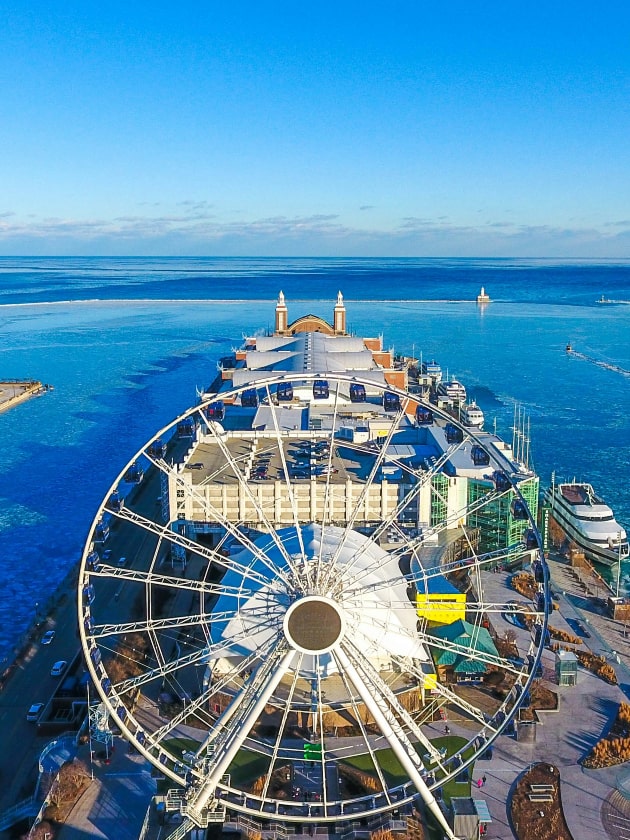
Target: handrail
{"points": [[17, 811]]}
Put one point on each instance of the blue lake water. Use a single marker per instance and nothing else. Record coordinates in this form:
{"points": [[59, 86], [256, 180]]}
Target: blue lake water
{"points": [[126, 342]]}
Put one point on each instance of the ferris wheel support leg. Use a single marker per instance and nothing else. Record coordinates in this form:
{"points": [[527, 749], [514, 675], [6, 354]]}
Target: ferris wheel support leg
{"points": [[397, 747], [205, 794]]}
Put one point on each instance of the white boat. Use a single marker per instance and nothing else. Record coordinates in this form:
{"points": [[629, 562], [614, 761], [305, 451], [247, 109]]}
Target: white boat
{"points": [[432, 369], [472, 415], [452, 390], [588, 522]]}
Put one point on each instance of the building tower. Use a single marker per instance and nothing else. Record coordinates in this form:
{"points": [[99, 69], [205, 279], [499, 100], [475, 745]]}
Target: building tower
{"points": [[282, 315], [339, 318]]}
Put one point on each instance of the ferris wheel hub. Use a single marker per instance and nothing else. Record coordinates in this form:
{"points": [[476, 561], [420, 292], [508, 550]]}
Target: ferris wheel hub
{"points": [[314, 624]]}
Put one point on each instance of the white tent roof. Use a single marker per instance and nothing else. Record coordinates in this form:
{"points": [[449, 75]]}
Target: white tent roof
{"points": [[370, 592]]}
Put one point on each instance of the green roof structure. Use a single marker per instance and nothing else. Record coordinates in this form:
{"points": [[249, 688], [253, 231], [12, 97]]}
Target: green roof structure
{"points": [[465, 635]]}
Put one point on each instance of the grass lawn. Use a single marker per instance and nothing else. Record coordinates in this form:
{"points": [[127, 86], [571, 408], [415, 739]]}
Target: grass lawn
{"points": [[390, 766], [395, 775], [177, 746], [247, 766]]}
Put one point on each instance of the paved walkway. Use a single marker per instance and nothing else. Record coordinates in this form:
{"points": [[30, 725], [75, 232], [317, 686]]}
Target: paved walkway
{"points": [[115, 804], [593, 808], [562, 739]]}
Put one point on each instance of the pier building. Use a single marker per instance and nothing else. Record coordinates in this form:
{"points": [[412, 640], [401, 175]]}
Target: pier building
{"points": [[295, 596]]}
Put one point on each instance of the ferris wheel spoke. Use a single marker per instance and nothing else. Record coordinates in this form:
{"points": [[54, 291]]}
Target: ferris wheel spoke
{"points": [[205, 589], [245, 488], [453, 519], [237, 673], [471, 654], [485, 560], [383, 690], [366, 738], [326, 512], [261, 615], [100, 631], [195, 547], [240, 679], [453, 698], [423, 478], [216, 687], [217, 516], [378, 462], [231, 527], [172, 666], [318, 728], [285, 469], [282, 726], [240, 718], [389, 727]]}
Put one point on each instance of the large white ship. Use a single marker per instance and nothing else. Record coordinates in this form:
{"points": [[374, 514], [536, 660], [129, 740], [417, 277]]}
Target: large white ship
{"points": [[452, 390], [588, 521], [472, 415]]}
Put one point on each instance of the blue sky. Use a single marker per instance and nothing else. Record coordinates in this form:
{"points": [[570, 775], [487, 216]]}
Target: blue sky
{"points": [[253, 128]]}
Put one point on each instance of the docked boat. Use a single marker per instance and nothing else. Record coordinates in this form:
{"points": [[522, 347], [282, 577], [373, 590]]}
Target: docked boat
{"points": [[432, 369], [472, 415], [452, 390], [588, 521]]}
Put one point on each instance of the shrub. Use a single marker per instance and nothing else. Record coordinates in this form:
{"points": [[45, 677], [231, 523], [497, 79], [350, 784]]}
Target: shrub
{"points": [[615, 747]]}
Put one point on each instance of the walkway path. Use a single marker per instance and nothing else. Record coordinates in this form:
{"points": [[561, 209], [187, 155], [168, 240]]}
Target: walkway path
{"points": [[592, 807], [115, 804]]}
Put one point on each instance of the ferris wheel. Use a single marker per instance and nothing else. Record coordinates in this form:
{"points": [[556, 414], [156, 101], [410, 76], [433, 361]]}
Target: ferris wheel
{"points": [[288, 601]]}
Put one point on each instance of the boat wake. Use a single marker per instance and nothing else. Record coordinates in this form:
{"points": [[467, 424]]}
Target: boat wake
{"points": [[598, 362]]}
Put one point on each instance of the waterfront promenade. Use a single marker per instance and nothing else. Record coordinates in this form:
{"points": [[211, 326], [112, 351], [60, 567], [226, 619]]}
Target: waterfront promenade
{"points": [[115, 804], [592, 804]]}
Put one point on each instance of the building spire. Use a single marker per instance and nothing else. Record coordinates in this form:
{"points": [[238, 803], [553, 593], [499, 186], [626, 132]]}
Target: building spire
{"points": [[282, 315], [339, 316]]}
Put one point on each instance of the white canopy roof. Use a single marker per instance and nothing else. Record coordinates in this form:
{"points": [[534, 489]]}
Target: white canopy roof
{"points": [[365, 584]]}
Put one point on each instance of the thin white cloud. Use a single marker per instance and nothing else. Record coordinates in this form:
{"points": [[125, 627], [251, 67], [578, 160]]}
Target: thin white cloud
{"points": [[196, 230], [194, 204]]}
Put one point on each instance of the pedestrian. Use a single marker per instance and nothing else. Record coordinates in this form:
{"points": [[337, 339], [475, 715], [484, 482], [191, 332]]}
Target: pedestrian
{"points": [[447, 730], [483, 781], [479, 783]]}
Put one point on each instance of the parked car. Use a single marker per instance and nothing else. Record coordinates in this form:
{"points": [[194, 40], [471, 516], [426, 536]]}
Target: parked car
{"points": [[48, 636], [34, 712], [58, 668]]}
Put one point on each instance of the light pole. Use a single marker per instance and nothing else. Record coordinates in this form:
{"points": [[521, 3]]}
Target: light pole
{"points": [[87, 687], [619, 564]]}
